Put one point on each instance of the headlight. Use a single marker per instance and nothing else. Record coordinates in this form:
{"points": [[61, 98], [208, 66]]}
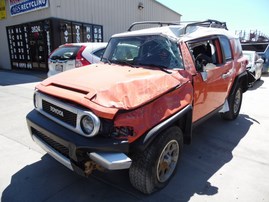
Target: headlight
{"points": [[87, 124], [90, 124]]}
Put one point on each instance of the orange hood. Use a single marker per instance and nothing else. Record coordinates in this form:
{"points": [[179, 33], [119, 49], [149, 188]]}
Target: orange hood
{"points": [[115, 86]]}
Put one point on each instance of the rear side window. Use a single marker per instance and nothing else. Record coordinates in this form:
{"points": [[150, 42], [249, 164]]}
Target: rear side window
{"points": [[65, 53], [238, 47], [226, 48]]}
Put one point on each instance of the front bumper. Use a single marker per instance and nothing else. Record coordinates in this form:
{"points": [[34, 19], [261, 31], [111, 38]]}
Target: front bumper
{"points": [[72, 149]]}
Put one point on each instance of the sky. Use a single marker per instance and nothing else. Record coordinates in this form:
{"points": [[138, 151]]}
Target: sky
{"points": [[238, 14]]}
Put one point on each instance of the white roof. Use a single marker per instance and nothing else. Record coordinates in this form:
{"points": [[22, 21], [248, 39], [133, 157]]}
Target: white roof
{"points": [[207, 31], [176, 32], [173, 31], [92, 44]]}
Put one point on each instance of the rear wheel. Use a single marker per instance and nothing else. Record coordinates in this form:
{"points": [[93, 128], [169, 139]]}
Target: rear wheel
{"points": [[152, 169], [235, 101]]}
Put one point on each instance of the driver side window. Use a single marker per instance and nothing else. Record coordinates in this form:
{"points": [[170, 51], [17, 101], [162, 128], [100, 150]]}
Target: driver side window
{"points": [[206, 54]]}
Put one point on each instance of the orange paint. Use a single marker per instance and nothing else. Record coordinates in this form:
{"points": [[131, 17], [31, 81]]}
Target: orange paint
{"points": [[151, 114]]}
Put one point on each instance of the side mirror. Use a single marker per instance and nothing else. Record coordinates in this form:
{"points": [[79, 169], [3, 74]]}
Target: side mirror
{"points": [[259, 61]]}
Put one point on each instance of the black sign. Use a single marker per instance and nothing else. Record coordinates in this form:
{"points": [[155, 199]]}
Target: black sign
{"points": [[29, 45]]}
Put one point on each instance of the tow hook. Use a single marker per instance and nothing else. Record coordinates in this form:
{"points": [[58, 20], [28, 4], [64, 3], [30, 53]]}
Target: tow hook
{"points": [[90, 166]]}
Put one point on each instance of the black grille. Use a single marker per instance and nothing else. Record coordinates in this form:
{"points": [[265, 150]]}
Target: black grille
{"points": [[55, 145], [60, 113]]}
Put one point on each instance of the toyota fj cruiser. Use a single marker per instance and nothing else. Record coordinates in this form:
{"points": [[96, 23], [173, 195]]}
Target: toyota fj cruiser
{"points": [[137, 108]]}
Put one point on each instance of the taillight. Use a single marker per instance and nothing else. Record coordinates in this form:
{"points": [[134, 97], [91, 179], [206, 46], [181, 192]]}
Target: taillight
{"points": [[80, 60]]}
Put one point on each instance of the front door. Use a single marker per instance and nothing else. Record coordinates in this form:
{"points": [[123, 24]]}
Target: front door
{"points": [[214, 76]]}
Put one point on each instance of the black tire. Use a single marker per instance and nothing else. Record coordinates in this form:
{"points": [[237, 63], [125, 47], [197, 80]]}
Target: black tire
{"points": [[235, 101], [152, 169]]}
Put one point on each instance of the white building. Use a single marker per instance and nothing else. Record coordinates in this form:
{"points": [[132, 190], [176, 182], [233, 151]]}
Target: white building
{"points": [[31, 29]]}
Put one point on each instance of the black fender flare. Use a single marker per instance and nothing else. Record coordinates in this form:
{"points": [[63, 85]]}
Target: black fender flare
{"points": [[243, 80], [185, 113]]}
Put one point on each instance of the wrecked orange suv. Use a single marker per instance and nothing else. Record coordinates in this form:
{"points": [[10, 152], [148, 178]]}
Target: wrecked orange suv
{"points": [[137, 108]]}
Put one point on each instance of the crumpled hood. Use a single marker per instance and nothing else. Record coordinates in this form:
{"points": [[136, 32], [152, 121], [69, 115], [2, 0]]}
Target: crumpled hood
{"points": [[116, 86]]}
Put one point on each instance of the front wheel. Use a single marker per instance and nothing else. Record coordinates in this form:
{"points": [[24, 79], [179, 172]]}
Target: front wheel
{"points": [[152, 169], [235, 101]]}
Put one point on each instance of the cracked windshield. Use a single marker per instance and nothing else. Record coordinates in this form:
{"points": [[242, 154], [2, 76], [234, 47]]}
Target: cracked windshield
{"points": [[153, 51]]}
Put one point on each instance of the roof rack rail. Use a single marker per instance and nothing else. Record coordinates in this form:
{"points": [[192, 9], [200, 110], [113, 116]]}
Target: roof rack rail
{"points": [[207, 23], [152, 23]]}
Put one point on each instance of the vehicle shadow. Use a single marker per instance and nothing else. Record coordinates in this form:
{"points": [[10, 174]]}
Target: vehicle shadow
{"points": [[212, 146], [47, 180], [13, 77], [256, 85]]}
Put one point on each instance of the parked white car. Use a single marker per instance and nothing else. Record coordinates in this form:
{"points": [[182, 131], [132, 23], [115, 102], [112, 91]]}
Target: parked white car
{"points": [[255, 63], [72, 55]]}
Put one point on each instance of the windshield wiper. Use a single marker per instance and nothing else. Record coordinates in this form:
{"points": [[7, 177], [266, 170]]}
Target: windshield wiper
{"points": [[160, 67], [126, 63]]}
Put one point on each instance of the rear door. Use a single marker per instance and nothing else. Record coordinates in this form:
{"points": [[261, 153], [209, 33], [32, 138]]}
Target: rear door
{"points": [[212, 80]]}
